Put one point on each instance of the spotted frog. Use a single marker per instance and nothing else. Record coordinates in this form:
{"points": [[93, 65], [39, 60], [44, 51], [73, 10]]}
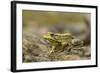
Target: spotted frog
{"points": [[58, 41]]}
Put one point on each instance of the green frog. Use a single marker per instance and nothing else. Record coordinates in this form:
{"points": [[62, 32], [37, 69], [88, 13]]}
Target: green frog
{"points": [[58, 41]]}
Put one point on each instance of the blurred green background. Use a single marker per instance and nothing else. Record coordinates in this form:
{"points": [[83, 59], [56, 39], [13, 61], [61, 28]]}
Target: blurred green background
{"points": [[51, 18]]}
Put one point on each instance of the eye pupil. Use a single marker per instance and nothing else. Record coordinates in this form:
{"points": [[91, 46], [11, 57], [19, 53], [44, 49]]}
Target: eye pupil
{"points": [[52, 34]]}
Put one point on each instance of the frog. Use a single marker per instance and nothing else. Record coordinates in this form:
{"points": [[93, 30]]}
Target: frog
{"points": [[58, 41]]}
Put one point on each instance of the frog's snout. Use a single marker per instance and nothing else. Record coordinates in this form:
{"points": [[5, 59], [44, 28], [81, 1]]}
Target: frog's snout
{"points": [[44, 36]]}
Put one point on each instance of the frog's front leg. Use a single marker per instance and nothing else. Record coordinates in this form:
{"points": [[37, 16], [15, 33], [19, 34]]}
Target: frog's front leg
{"points": [[52, 49]]}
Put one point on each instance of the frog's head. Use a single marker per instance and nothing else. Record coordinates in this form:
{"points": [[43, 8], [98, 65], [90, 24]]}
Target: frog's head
{"points": [[49, 36]]}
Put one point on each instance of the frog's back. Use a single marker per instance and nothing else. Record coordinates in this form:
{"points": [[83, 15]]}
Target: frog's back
{"points": [[64, 37]]}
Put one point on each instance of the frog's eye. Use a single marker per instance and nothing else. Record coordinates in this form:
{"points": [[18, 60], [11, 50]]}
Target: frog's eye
{"points": [[52, 34]]}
